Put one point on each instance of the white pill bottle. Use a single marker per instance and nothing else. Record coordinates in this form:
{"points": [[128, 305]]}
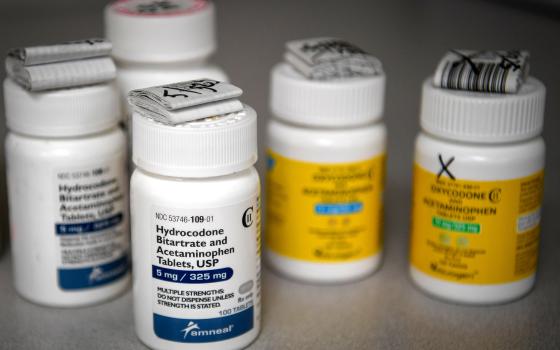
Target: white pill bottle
{"points": [[478, 182], [159, 42], [326, 168], [68, 194], [196, 232]]}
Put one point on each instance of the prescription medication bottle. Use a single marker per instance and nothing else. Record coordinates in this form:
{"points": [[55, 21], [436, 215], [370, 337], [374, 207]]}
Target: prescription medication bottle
{"points": [[478, 185], [158, 42], [196, 232], [67, 190], [326, 168]]}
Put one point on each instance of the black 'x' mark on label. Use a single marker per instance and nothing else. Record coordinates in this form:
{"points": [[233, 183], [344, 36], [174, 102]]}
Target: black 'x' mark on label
{"points": [[445, 167], [468, 59]]}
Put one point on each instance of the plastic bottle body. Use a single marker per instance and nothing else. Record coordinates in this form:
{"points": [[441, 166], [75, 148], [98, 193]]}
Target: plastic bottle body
{"points": [[64, 252], [348, 153], [479, 195], [228, 203]]}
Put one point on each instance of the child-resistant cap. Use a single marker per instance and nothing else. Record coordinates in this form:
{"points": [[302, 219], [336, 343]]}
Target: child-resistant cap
{"points": [[207, 147], [483, 117], [61, 113], [329, 103], [327, 82], [160, 31]]}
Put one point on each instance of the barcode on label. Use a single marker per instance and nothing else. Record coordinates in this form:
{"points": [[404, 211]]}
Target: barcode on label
{"points": [[483, 71], [528, 221]]}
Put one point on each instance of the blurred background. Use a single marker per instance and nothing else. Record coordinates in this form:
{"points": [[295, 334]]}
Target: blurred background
{"points": [[385, 310]]}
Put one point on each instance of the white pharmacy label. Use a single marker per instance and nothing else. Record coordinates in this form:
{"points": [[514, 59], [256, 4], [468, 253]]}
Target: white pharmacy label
{"points": [[206, 272], [91, 225]]}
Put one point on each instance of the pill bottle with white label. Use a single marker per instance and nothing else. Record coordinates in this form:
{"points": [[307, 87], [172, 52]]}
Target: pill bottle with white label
{"points": [[196, 232], [158, 42], [68, 197], [325, 176], [478, 182]]}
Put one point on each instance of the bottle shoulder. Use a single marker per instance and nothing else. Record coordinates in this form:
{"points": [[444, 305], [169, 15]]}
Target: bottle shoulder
{"points": [[327, 144], [481, 161], [110, 142], [219, 190], [520, 149], [276, 125]]}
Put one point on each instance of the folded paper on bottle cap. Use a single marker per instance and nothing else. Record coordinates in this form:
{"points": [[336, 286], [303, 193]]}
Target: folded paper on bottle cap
{"points": [[71, 64], [62, 75], [187, 101], [330, 58], [69, 51], [483, 71]]}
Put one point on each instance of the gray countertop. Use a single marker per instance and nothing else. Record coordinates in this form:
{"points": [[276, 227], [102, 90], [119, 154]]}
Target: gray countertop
{"points": [[384, 311]]}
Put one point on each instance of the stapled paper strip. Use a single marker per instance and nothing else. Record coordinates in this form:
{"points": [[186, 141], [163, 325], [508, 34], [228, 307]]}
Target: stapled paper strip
{"points": [[330, 58], [69, 51], [62, 75], [186, 101], [483, 71], [71, 64]]}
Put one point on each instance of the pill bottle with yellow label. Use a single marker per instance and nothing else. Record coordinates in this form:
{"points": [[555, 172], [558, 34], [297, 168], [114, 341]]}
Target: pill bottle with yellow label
{"points": [[326, 166], [478, 182]]}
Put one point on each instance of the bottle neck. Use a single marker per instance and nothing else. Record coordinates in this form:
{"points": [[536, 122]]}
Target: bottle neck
{"points": [[236, 174], [322, 127], [183, 64], [79, 136], [488, 143]]}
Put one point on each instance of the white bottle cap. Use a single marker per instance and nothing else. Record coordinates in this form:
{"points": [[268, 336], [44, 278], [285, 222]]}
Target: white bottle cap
{"points": [[202, 148], [483, 117], [147, 31], [61, 113], [328, 103]]}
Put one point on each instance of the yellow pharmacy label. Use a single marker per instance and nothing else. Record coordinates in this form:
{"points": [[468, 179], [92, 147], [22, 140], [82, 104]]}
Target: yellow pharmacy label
{"points": [[475, 232], [321, 212]]}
